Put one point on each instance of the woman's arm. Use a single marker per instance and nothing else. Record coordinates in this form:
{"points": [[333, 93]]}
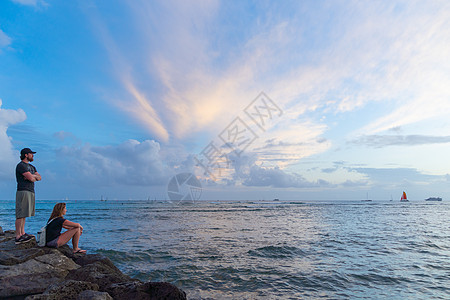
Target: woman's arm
{"points": [[69, 225]]}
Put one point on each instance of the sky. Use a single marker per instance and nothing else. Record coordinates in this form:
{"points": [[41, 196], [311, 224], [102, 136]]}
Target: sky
{"points": [[295, 100]]}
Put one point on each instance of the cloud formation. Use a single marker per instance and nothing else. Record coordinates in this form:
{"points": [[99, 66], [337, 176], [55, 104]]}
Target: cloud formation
{"points": [[398, 177], [382, 52], [4, 40], [380, 141], [277, 178], [245, 170], [8, 156], [30, 2], [131, 163]]}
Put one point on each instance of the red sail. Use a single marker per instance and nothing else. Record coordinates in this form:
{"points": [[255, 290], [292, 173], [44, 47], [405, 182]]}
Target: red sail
{"points": [[404, 196]]}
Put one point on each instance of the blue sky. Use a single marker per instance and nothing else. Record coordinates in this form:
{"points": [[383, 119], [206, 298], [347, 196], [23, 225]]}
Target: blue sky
{"points": [[117, 97]]}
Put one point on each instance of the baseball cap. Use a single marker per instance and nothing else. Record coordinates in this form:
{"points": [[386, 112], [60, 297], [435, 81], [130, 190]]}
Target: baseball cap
{"points": [[26, 151]]}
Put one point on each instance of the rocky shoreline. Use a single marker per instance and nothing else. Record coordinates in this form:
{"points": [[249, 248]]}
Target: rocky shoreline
{"points": [[31, 272]]}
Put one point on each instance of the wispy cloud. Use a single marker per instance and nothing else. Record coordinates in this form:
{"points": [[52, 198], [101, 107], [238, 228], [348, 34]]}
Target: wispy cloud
{"points": [[4, 40], [289, 142], [412, 71], [379, 141], [393, 54], [275, 177], [143, 110], [398, 176], [31, 2]]}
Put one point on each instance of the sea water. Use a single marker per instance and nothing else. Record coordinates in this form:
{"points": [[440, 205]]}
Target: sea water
{"points": [[269, 250]]}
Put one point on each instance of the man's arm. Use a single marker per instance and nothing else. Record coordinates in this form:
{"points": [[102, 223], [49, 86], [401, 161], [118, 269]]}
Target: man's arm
{"points": [[32, 177], [38, 176]]}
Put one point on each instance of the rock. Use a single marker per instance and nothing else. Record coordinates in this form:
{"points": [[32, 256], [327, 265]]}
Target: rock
{"points": [[8, 244], [19, 256], [6, 236], [1, 231], [66, 250], [22, 285], [148, 290], [164, 290], [10, 232], [69, 289], [58, 260], [94, 295], [100, 273], [48, 273], [41, 297], [127, 290], [92, 258], [35, 275]]}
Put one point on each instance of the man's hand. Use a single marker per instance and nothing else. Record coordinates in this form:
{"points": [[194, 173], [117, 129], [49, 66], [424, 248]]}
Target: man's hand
{"points": [[32, 177], [37, 176]]}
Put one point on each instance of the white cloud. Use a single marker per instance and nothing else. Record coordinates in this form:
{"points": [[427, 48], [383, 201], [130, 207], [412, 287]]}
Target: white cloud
{"points": [[30, 2], [8, 156], [64, 135], [405, 64], [379, 141], [275, 177], [4, 39], [289, 141], [130, 163], [389, 54]]}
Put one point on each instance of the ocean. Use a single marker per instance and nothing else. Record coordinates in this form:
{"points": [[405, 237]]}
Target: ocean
{"points": [[269, 250]]}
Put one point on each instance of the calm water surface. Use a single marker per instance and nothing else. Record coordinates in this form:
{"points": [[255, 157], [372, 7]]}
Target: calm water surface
{"points": [[267, 250]]}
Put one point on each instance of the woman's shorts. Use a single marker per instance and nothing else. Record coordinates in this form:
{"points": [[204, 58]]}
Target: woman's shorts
{"points": [[25, 202], [53, 243]]}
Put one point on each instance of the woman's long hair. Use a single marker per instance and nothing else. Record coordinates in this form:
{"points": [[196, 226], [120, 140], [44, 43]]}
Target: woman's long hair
{"points": [[57, 210]]}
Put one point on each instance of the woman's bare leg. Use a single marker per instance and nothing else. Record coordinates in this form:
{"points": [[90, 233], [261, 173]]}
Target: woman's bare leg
{"points": [[75, 240], [73, 234]]}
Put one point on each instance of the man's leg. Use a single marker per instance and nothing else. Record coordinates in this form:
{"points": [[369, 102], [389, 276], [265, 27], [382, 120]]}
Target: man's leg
{"points": [[20, 227], [25, 207]]}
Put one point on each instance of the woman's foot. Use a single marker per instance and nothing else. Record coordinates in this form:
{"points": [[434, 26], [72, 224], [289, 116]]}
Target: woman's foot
{"points": [[79, 251]]}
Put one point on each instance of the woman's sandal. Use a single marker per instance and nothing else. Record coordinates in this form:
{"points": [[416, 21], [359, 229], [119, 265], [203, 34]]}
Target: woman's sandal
{"points": [[79, 251]]}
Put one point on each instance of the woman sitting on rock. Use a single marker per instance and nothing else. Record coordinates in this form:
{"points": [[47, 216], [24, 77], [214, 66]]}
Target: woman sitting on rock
{"points": [[54, 237]]}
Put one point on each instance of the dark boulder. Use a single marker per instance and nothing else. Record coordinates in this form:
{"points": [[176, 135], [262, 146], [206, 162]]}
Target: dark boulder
{"points": [[48, 273], [34, 275], [20, 286], [8, 244], [99, 273], [17, 256], [94, 295], [92, 258], [68, 289], [148, 290]]}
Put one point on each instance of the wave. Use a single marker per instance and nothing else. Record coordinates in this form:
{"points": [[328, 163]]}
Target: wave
{"points": [[122, 257], [277, 252]]}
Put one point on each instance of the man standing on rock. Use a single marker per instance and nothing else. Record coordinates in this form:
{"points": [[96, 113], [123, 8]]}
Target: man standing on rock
{"points": [[26, 176]]}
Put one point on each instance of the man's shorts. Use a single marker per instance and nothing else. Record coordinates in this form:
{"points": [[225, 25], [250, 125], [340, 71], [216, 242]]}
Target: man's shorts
{"points": [[25, 203]]}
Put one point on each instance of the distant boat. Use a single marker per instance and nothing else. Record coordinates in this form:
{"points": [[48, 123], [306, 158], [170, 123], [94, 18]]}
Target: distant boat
{"points": [[434, 199], [276, 199], [404, 198], [367, 198]]}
